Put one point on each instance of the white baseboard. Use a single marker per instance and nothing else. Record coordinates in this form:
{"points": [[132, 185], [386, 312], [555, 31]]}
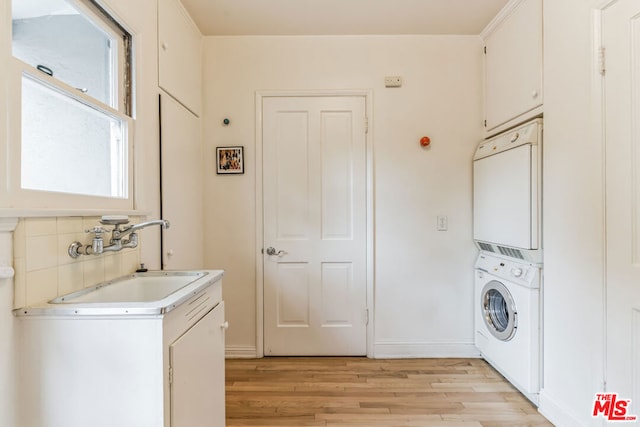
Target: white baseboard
{"points": [[386, 350], [241, 352], [393, 349], [549, 408]]}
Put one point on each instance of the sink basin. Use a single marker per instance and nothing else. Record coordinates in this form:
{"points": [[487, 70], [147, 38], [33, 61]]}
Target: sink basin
{"points": [[151, 293], [139, 287]]}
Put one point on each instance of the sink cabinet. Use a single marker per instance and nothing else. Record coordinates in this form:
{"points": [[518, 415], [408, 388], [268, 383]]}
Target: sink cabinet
{"points": [[161, 370], [196, 373]]}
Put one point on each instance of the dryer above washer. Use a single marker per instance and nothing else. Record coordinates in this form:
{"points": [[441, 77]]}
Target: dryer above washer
{"points": [[507, 193]]}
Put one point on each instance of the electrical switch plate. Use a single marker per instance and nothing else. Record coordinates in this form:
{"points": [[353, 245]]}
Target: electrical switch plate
{"points": [[393, 81], [443, 223]]}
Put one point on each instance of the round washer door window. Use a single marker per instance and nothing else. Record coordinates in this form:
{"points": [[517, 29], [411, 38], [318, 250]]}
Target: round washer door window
{"points": [[499, 311]]}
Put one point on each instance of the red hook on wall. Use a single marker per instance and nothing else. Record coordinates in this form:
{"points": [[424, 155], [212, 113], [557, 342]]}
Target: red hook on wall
{"points": [[425, 141]]}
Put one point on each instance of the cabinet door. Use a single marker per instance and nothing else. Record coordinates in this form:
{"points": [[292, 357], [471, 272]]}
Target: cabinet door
{"points": [[197, 363], [513, 65], [182, 193], [179, 55]]}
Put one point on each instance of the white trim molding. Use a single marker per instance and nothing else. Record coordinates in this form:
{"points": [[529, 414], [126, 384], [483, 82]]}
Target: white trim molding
{"points": [[502, 15], [7, 226], [241, 352], [550, 408], [425, 349]]}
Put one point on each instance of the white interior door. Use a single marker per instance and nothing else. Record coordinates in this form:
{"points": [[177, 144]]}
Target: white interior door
{"points": [[314, 195], [621, 32], [182, 181]]}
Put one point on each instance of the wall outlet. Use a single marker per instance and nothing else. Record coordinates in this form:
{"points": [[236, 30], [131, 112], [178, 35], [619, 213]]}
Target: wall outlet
{"points": [[393, 81]]}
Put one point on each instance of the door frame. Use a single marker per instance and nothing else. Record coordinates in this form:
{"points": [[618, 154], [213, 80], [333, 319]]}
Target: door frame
{"points": [[597, 119], [598, 130], [367, 94], [599, 127]]}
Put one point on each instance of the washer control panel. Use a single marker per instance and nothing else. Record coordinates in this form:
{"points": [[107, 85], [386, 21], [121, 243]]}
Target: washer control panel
{"points": [[518, 272], [515, 271]]}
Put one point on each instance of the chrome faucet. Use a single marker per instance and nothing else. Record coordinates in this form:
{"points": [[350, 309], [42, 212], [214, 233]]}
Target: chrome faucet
{"points": [[117, 241]]}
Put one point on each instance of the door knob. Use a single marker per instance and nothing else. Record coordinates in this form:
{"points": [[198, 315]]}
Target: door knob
{"points": [[272, 251]]}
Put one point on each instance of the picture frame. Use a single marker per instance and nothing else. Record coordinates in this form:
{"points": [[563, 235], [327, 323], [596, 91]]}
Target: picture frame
{"points": [[230, 160]]}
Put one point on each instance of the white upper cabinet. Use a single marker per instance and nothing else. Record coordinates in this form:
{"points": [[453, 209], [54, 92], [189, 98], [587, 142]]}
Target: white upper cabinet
{"points": [[179, 55], [513, 64]]}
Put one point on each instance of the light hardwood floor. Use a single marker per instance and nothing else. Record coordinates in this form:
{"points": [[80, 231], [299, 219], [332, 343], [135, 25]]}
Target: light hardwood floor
{"points": [[354, 391]]}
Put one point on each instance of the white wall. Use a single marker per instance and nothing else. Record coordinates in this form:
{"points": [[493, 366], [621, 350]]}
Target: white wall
{"points": [[423, 278], [573, 221]]}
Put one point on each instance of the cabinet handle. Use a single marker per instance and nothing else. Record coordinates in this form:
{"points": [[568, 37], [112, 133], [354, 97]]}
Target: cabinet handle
{"points": [[225, 325], [534, 94], [165, 45]]}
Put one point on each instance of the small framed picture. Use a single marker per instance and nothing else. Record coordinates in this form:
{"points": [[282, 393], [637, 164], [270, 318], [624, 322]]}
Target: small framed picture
{"points": [[230, 160]]}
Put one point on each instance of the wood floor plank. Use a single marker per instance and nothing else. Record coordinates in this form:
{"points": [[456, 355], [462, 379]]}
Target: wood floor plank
{"points": [[356, 391]]}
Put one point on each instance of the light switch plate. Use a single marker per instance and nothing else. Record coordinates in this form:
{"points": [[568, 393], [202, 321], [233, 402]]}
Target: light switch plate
{"points": [[443, 223]]}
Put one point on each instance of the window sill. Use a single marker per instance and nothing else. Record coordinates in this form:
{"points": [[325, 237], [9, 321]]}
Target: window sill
{"points": [[41, 213]]}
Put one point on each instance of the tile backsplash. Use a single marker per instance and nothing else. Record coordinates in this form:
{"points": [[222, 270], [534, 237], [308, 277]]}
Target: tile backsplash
{"points": [[43, 267]]}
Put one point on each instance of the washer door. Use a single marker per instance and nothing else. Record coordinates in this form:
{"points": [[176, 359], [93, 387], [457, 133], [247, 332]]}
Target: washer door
{"points": [[499, 311]]}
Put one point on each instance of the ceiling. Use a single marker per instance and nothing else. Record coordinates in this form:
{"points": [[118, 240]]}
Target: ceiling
{"points": [[342, 17]]}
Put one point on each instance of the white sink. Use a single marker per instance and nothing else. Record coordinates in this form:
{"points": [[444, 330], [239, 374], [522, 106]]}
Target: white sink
{"points": [[140, 287], [150, 293]]}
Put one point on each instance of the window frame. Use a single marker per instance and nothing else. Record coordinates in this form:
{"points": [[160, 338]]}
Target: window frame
{"points": [[12, 194]]}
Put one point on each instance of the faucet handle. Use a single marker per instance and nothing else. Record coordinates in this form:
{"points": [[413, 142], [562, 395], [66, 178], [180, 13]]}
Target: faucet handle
{"points": [[97, 230]]}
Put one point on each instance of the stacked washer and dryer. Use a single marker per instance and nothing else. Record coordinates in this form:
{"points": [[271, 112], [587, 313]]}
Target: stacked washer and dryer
{"points": [[507, 219]]}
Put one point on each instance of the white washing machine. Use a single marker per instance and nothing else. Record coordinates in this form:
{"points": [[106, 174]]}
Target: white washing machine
{"points": [[507, 319]]}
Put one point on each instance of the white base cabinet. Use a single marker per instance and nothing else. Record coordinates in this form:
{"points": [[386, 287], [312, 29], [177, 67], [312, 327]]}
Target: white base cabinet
{"points": [[163, 370], [197, 373]]}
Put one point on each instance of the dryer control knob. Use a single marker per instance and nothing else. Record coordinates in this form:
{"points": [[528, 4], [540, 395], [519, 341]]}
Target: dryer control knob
{"points": [[516, 272]]}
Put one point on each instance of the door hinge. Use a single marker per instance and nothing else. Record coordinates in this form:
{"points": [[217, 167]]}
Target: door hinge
{"points": [[601, 63], [366, 316], [366, 125], [170, 375]]}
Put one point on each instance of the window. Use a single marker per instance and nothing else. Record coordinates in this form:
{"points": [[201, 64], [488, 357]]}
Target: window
{"points": [[74, 62]]}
